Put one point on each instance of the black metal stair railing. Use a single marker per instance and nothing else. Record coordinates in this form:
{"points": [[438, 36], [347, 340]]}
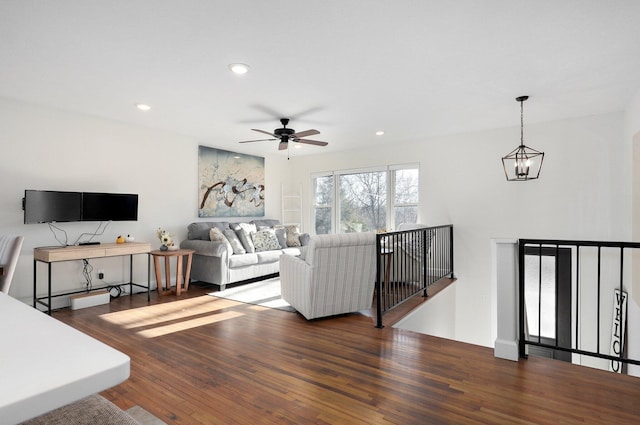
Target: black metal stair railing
{"points": [[588, 299], [408, 262]]}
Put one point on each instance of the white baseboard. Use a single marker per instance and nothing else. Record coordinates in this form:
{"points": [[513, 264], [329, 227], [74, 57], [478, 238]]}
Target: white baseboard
{"points": [[506, 350]]}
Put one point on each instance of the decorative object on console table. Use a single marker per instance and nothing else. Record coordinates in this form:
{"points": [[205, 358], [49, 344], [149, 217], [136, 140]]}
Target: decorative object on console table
{"points": [[166, 239], [230, 184], [165, 289]]}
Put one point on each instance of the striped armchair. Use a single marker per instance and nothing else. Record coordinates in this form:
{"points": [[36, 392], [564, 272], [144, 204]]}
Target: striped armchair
{"points": [[336, 275]]}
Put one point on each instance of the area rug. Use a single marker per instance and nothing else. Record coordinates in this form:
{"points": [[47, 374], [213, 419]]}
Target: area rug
{"points": [[265, 293], [144, 417]]}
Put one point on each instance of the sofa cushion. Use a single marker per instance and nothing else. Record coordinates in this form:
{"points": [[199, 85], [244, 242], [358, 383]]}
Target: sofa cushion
{"points": [[234, 241], [295, 251], [269, 256], [243, 260], [265, 240], [200, 230]]}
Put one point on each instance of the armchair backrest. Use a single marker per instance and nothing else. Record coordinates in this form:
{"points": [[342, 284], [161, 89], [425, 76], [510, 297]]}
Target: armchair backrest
{"points": [[340, 248], [9, 253]]}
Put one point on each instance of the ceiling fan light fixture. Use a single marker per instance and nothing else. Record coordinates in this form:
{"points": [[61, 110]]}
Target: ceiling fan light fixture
{"points": [[239, 68], [523, 163]]}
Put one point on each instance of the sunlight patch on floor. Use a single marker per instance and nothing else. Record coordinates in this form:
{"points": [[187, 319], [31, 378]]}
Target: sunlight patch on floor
{"points": [[188, 324], [166, 312]]}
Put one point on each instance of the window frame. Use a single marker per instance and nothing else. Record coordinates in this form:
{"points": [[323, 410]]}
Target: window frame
{"points": [[391, 205]]}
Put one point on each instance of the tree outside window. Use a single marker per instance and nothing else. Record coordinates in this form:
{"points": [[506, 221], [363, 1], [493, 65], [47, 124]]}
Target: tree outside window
{"points": [[323, 205], [363, 202], [405, 200]]}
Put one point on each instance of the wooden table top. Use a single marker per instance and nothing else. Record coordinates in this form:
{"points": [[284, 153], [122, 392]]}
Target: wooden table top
{"points": [[172, 253]]}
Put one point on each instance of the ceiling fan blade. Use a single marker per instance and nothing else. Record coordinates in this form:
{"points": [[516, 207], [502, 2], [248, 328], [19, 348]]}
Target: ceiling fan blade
{"points": [[282, 146], [306, 133], [312, 142], [260, 140], [265, 132]]}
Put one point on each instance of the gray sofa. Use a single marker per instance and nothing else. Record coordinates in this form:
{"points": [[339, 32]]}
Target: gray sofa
{"points": [[215, 261]]}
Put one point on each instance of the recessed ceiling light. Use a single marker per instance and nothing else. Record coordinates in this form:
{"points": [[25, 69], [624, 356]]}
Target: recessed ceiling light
{"points": [[297, 146], [143, 107], [239, 68], [379, 133]]}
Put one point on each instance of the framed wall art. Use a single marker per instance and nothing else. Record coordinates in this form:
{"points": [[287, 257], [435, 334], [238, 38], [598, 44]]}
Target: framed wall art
{"points": [[230, 184]]}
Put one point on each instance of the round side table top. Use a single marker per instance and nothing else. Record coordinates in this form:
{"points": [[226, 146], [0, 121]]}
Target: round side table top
{"points": [[172, 253]]}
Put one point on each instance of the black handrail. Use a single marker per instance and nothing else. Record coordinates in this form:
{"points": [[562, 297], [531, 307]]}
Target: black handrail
{"points": [[408, 262]]}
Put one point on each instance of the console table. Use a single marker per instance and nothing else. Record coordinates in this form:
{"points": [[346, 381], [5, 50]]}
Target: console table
{"points": [[46, 364], [50, 255]]}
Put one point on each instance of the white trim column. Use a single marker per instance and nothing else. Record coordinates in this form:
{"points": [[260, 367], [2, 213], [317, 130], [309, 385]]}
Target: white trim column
{"points": [[504, 257]]}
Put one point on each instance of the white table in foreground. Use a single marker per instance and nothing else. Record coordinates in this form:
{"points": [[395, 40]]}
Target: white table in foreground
{"points": [[46, 364]]}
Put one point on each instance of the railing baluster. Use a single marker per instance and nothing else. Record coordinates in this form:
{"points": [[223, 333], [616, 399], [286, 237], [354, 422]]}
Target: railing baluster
{"points": [[598, 303], [417, 258]]}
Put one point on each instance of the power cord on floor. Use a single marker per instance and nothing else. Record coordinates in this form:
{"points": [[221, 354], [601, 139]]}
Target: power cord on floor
{"points": [[86, 272]]}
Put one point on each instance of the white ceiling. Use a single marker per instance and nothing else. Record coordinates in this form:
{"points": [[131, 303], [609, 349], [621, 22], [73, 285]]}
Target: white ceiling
{"points": [[412, 68]]}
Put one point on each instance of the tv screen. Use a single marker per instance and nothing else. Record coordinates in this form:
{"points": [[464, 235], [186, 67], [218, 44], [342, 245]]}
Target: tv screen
{"points": [[43, 206], [109, 206]]}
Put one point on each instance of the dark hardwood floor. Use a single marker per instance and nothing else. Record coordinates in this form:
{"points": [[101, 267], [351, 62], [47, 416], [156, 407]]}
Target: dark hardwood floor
{"points": [[202, 360]]}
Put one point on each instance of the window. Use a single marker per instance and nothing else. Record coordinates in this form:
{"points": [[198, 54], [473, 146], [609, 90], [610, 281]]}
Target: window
{"points": [[365, 200], [323, 205], [405, 199]]}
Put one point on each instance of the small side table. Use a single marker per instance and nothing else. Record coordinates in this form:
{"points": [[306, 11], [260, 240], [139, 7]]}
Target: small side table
{"points": [[179, 254]]}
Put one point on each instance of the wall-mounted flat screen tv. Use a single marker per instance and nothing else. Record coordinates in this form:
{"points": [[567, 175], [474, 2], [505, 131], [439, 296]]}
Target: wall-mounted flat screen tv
{"points": [[109, 206], [44, 206]]}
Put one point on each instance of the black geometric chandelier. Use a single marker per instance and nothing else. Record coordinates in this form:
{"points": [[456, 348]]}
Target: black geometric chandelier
{"points": [[523, 163]]}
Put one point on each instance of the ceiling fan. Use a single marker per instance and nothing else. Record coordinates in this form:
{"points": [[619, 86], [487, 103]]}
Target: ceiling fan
{"points": [[286, 135]]}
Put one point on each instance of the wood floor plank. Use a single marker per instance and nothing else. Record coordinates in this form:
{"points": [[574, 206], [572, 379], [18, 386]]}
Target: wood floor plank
{"points": [[197, 360]]}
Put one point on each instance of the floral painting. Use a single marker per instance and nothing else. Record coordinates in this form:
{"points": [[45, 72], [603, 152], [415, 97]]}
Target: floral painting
{"points": [[231, 184]]}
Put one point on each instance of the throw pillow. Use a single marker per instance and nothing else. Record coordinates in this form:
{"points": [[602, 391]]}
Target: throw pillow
{"points": [[243, 230], [281, 234], [216, 235], [236, 245], [293, 236], [245, 240], [304, 239], [265, 240]]}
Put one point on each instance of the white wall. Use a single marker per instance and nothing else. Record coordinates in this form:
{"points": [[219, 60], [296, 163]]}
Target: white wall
{"points": [[579, 196], [632, 139], [55, 150]]}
